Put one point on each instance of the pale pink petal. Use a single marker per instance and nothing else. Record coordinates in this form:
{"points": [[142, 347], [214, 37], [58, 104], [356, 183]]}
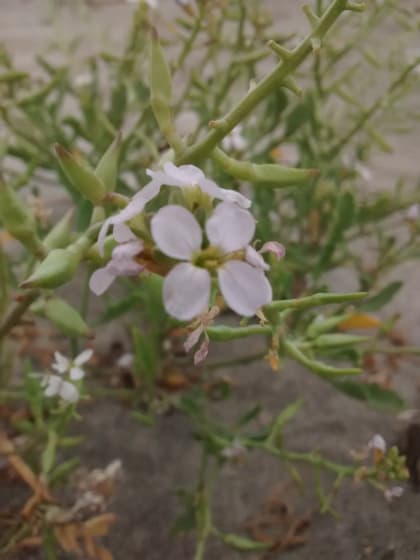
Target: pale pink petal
{"points": [[244, 288], [255, 259], [186, 291], [274, 247], [127, 250], [182, 176], [227, 195], [193, 338], [126, 267], [61, 364], [101, 280], [122, 233], [230, 227], [176, 232], [133, 208], [68, 392], [76, 373], [83, 357]]}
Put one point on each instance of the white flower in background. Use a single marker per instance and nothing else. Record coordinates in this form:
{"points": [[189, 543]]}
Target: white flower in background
{"points": [[235, 452], [126, 361], [122, 261], [413, 213], [56, 386], [235, 141], [184, 177], [287, 153], [73, 368], [393, 492], [363, 171], [186, 289], [378, 443]]}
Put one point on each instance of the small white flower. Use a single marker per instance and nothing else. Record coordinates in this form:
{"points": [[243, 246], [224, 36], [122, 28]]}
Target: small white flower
{"points": [[183, 177], [363, 171], [151, 3], [125, 361], [377, 443], [413, 213], [54, 385], [393, 492], [235, 141], [235, 452], [186, 289], [122, 261], [73, 368], [287, 153]]}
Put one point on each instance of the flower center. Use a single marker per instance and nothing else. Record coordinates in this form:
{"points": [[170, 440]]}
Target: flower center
{"points": [[209, 258]]}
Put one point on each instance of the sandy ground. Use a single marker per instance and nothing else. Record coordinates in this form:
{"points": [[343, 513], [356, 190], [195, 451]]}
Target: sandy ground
{"points": [[162, 457]]}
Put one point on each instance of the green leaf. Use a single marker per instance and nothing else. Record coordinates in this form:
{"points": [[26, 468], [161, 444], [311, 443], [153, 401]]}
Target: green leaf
{"points": [[371, 393], [382, 298]]}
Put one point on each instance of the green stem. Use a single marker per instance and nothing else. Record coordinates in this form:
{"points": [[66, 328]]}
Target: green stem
{"points": [[314, 300], [16, 312], [272, 81]]}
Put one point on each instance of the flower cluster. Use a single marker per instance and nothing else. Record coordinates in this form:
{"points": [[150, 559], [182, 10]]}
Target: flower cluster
{"points": [[62, 383], [199, 252]]}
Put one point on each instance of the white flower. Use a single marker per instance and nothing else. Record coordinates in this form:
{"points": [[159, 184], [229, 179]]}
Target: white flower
{"points": [[63, 365], [377, 443], [235, 452], [393, 492], [363, 171], [184, 177], [54, 385], [126, 361], [122, 261], [287, 153], [413, 213], [235, 141], [186, 289]]}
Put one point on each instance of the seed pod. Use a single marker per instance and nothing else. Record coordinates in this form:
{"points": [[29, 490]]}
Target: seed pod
{"points": [[107, 169], [59, 235], [80, 175], [18, 221]]}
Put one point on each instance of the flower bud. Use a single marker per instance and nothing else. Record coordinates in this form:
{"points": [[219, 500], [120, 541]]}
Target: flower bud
{"points": [[65, 317], [18, 221], [338, 340], [107, 169], [59, 235], [80, 175], [321, 325], [55, 270]]}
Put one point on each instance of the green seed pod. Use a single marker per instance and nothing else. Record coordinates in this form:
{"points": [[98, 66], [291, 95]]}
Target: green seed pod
{"points": [[338, 340], [59, 236], [18, 221], [55, 270], [66, 318], [80, 175], [107, 169], [321, 326]]}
